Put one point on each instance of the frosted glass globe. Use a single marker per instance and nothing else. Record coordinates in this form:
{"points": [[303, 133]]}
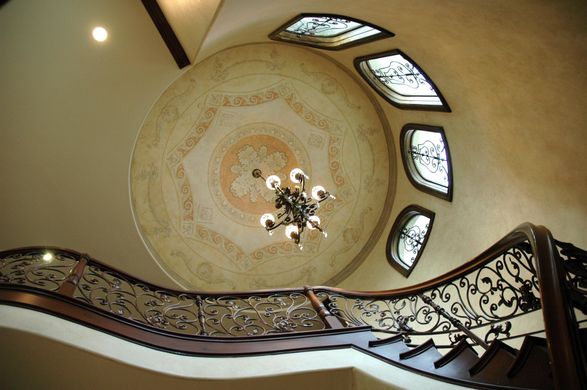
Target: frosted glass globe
{"points": [[273, 181]]}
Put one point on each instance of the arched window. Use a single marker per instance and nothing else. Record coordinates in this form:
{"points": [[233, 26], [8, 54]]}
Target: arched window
{"points": [[400, 81], [328, 31], [408, 238], [426, 159]]}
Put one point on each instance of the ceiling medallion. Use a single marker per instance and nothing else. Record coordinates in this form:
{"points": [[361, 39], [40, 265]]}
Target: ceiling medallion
{"points": [[295, 210]]}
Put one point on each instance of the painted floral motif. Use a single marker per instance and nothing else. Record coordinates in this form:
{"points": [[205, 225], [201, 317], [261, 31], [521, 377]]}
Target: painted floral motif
{"points": [[249, 159]]}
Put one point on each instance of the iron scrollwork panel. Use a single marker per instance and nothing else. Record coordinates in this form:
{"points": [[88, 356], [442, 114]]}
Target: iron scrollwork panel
{"points": [[227, 316], [116, 294], [31, 270], [503, 288], [574, 263]]}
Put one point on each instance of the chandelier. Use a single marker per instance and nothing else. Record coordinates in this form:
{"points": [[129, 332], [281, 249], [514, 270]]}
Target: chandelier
{"points": [[295, 209]]}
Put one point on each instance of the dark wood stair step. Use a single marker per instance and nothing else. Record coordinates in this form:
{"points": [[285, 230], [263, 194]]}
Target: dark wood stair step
{"points": [[532, 365], [457, 362], [421, 357], [389, 348], [494, 365]]}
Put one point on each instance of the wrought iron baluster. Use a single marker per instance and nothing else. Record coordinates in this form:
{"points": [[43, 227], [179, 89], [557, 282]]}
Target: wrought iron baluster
{"points": [[201, 317], [455, 322]]}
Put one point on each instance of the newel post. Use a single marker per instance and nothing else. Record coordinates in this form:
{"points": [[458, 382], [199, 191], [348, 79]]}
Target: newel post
{"points": [[330, 320], [68, 286]]}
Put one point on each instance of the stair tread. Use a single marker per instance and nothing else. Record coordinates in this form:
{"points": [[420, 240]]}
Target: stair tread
{"points": [[457, 361], [494, 364], [422, 357], [531, 367], [389, 348]]}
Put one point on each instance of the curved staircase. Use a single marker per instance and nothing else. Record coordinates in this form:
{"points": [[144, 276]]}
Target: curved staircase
{"points": [[457, 328]]}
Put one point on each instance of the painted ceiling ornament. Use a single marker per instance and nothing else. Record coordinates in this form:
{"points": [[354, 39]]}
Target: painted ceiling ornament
{"points": [[249, 158], [194, 199], [296, 210]]}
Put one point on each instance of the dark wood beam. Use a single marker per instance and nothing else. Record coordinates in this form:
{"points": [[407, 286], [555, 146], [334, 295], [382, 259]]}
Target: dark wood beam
{"points": [[167, 33]]}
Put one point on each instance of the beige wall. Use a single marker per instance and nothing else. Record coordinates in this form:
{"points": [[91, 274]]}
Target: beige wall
{"points": [[70, 110], [513, 73]]}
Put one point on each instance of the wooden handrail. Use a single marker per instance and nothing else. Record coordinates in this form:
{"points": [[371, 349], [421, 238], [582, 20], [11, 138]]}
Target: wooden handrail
{"points": [[561, 334], [560, 328]]}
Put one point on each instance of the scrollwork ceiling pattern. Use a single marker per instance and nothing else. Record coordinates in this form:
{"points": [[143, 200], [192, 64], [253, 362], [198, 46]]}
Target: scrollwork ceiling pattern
{"points": [[273, 106]]}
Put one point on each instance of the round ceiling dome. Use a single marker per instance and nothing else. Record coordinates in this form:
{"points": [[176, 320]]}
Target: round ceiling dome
{"points": [[272, 107]]}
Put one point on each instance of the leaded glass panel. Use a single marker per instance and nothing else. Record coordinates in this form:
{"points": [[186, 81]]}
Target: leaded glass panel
{"points": [[427, 159], [400, 81], [332, 32], [411, 237], [408, 237]]}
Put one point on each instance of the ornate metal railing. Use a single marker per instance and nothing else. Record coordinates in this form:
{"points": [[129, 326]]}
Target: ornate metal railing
{"points": [[527, 273], [480, 304]]}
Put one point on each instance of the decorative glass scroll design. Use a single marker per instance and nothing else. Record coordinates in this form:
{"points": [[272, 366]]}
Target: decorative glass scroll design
{"points": [[190, 314], [426, 159], [328, 31], [37, 268], [408, 238], [400, 81], [485, 300]]}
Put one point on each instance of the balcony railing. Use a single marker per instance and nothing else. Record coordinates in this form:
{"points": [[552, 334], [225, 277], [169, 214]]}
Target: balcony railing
{"points": [[492, 297]]}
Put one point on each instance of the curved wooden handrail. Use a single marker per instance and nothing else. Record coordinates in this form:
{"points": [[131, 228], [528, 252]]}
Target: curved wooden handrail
{"points": [[560, 328]]}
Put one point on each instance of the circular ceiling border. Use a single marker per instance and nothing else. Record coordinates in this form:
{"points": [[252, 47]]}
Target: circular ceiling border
{"points": [[332, 83]]}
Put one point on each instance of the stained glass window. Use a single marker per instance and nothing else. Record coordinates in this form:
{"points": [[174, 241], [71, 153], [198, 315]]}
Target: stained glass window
{"points": [[400, 81], [408, 237], [326, 31], [426, 159]]}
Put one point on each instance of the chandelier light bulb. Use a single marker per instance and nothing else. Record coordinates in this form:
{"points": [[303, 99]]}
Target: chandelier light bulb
{"points": [[294, 175], [273, 181], [48, 256], [296, 211], [315, 219], [267, 220], [291, 231], [318, 192]]}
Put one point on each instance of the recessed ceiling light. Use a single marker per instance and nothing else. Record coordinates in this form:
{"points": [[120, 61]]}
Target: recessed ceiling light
{"points": [[100, 34]]}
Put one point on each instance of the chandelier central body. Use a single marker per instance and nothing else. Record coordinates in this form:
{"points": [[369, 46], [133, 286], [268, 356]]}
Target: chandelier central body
{"points": [[295, 210]]}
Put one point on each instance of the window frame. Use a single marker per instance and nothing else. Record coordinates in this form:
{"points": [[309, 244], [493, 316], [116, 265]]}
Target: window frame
{"points": [[412, 172], [394, 236], [444, 107], [275, 35]]}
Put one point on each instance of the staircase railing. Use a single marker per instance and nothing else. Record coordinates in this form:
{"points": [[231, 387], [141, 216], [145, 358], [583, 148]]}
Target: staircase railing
{"points": [[481, 301]]}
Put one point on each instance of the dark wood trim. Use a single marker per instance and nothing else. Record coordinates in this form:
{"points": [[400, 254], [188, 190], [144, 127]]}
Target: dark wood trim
{"points": [[393, 238], [382, 35], [81, 313], [559, 326], [167, 33], [404, 134], [443, 108]]}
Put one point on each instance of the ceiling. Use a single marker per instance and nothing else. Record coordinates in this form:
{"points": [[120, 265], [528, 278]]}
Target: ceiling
{"points": [[273, 107], [71, 110]]}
